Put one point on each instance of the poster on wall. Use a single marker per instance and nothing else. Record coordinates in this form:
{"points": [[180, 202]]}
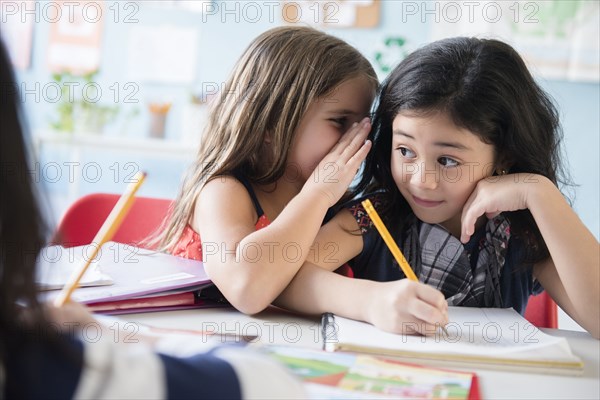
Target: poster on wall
{"points": [[75, 37], [17, 32], [557, 39], [198, 6], [333, 13]]}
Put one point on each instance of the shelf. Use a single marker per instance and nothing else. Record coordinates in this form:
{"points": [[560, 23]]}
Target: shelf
{"points": [[83, 147], [152, 146]]}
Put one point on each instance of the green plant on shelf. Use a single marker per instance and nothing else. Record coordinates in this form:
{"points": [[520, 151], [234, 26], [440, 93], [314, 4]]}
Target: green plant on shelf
{"points": [[77, 110]]}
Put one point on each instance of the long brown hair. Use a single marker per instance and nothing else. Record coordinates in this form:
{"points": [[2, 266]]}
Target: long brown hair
{"points": [[270, 89], [23, 230]]}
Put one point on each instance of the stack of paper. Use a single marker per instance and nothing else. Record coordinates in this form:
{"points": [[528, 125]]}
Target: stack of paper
{"points": [[482, 337], [55, 266], [139, 280]]}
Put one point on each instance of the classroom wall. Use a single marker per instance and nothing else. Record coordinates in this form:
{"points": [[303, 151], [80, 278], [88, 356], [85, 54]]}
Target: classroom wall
{"points": [[221, 39]]}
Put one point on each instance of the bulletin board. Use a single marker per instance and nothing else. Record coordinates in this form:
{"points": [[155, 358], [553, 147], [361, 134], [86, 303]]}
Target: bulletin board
{"points": [[333, 13], [558, 40], [75, 40]]}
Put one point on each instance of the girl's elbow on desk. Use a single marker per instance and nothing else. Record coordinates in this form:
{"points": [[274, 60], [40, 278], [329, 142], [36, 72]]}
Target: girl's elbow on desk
{"points": [[244, 293], [594, 328], [250, 301], [249, 305]]}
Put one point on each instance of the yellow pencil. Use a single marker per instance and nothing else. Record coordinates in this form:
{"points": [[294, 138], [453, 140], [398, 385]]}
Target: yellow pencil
{"points": [[106, 232], [387, 238]]}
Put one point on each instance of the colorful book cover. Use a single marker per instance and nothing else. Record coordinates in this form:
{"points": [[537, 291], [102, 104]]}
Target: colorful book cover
{"points": [[334, 375]]}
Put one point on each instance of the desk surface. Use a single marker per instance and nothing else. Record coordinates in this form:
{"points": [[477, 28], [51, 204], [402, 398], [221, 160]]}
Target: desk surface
{"points": [[275, 326]]}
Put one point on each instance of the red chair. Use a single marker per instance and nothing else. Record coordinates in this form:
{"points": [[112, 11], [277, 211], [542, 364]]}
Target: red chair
{"points": [[542, 311], [84, 218]]}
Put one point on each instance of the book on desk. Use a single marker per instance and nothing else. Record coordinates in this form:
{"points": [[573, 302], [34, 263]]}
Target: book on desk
{"points": [[128, 279], [477, 337], [350, 375]]}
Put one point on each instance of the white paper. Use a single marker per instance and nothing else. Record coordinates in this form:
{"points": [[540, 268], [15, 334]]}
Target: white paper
{"points": [[56, 264], [486, 332]]}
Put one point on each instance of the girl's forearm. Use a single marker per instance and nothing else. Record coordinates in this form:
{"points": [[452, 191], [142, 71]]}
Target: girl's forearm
{"points": [[574, 250], [315, 290], [266, 260]]}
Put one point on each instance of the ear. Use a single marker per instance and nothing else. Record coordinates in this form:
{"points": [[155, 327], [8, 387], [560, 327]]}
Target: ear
{"points": [[502, 169], [502, 166]]}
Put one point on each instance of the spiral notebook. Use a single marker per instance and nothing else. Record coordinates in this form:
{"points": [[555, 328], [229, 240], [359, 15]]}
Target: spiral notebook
{"points": [[477, 337]]}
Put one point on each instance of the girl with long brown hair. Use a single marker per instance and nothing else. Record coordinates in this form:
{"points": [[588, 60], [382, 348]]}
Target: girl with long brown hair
{"points": [[282, 144]]}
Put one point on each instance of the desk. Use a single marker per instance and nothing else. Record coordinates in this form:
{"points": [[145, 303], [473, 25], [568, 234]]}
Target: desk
{"points": [[274, 326]]}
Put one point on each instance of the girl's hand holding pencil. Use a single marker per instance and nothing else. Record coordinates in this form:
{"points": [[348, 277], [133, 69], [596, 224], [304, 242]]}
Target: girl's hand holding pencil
{"points": [[70, 315], [406, 307], [419, 308]]}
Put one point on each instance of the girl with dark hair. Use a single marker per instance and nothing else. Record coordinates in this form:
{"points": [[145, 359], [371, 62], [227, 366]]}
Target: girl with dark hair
{"points": [[464, 172], [38, 361]]}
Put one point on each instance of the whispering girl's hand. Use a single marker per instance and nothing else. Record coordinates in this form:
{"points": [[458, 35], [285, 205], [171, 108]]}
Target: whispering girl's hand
{"points": [[494, 195], [336, 171]]}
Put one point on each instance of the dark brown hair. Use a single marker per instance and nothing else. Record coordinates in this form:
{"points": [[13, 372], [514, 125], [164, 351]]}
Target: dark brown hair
{"points": [[23, 231], [483, 86]]}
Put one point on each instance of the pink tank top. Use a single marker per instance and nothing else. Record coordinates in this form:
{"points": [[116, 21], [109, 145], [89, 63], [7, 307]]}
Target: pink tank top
{"points": [[190, 245]]}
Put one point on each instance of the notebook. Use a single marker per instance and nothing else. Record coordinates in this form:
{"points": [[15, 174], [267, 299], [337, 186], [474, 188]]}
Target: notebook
{"points": [[351, 375], [55, 265], [142, 280], [477, 337]]}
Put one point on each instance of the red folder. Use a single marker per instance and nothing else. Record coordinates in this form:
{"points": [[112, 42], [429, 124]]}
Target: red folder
{"points": [[168, 302]]}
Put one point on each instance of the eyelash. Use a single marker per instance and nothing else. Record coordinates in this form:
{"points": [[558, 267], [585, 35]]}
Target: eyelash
{"points": [[340, 121], [403, 151], [456, 163]]}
